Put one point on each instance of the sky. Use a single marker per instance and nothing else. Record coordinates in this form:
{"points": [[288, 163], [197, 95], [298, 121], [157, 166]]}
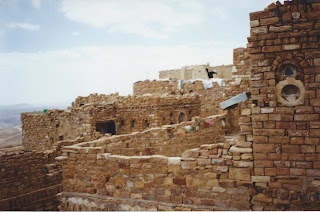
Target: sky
{"points": [[52, 51]]}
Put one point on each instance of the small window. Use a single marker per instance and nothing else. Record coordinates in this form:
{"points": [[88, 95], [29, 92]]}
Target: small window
{"points": [[191, 92], [173, 93], [182, 117], [146, 123], [121, 123], [290, 93], [133, 123], [288, 70]]}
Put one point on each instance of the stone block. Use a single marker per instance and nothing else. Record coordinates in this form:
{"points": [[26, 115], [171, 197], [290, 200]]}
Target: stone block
{"points": [[235, 149], [254, 23], [264, 148], [179, 181], [239, 174], [269, 21], [174, 161], [313, 172], [259, 30], [188, 165], [297, 172], [260, 179], [246, 112]]}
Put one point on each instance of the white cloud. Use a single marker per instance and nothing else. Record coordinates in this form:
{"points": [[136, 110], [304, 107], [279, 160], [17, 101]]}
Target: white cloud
{"points": [[60, 76], [148, 18], [25, 26], [36, 4]]}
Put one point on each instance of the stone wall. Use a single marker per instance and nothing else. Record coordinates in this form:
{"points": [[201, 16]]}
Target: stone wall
{"points": [[168, 140], [284, 48], [41, 131], [29, 181], [210, 98], [214, 176], [197, 72]]}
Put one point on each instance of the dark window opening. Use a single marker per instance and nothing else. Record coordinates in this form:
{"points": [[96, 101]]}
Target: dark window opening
{"points": [[146, 123], [191, 92], [57, 125], [133, 123], [190, 115], [182, 117], [288, 70], [173, 93], [172, 123], [106, 127], [81, 105], [290, 93], [60, 137], [121, 123], [255, 102]]}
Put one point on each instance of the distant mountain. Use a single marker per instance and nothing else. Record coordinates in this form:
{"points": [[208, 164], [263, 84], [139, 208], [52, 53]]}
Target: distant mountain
{"points": [[10, 114], [16, 106]]}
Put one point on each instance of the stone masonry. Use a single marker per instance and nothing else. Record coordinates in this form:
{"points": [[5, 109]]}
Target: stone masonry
{"points": [[171, 147]]}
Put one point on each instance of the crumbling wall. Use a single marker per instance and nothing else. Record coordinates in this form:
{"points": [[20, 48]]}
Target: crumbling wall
{"points": [[210, 98], [215, 176], [41, 131], [29, 181], [284, 48], [168, 140], [197, 72]]}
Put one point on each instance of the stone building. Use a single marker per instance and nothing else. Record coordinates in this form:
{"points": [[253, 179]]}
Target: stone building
{"points": [[198, 72], [261, 154]]}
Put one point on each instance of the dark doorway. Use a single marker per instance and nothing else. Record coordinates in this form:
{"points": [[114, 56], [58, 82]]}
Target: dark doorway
{"points": [[106, 127]]}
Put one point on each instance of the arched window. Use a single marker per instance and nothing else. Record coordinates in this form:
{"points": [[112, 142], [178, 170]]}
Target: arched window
{"points": [[288, 70], [173, 93], [133, 123], [182, 117], [121, 123]]}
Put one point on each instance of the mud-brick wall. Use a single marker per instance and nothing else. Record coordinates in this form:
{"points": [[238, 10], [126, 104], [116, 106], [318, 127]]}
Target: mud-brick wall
{"points": [[29, 181], [285, 59], [212, 177]]}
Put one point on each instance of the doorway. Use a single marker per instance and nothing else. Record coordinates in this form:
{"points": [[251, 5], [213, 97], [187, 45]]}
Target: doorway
{"points": [[106, 127]]}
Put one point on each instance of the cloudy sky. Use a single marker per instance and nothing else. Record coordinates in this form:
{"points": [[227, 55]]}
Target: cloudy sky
{"points": [[52, 51]]}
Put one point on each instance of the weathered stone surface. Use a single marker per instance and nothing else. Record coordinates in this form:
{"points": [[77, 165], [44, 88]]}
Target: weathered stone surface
{"points": [[239, 174]]}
